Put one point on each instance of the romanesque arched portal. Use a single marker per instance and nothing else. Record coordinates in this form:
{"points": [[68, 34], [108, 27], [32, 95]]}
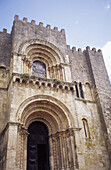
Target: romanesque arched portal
{"points": [[60, 125]]}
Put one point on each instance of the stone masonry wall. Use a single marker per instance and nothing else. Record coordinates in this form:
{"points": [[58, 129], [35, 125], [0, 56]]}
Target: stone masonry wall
{"points": [[5, 56], [93, 150], [23, 31], [5, 48], [3, 109], [102, 88], [86, 67], [3, 148], [79, 66]]}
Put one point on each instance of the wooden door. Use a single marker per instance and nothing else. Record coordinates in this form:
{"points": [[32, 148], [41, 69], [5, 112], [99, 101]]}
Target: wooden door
{"points": [[38, 147]]}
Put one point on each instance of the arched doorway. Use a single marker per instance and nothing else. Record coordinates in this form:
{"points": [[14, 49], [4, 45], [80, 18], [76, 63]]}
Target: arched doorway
{"points": [[57, 123], [38, 147]]}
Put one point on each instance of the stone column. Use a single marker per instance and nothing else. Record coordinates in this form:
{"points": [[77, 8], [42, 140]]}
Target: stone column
{"points": [[51, 71], [51, 155], [21, 159], [61, 150], [64, 150], [61, 74], [12, 146], [54, 72], [72, 149]]}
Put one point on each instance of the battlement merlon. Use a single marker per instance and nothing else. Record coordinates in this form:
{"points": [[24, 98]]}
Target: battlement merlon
{"points": [[23, 31], [88, 49], [33, 22]]}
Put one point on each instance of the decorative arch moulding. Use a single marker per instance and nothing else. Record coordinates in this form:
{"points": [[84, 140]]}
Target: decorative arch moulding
{"points": [[36, 44], [37, 108]]}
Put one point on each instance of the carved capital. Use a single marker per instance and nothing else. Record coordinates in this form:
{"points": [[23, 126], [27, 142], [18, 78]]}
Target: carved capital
{"points": [[23, 131]]}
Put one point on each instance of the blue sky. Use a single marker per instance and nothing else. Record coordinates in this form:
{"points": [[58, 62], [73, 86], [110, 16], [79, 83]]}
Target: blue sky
{"points": [[86, 22]]}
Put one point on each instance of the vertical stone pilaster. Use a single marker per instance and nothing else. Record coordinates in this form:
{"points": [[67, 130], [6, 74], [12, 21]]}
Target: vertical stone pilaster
{"points": [[61, 150], [64, 152], [51, 155], [25, 151], [54, 72], [61, 74], [21, 158], [12, 146], [69, 151], [72, 148]]}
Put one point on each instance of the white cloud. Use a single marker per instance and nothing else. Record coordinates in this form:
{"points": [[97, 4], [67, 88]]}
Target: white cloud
{"points": [[107, 57], [108, 6]]}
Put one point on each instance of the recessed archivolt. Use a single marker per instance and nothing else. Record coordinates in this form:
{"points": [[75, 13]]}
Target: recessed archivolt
{"points": [[42, 49], [39, 46], [36, 117], [41, 107], [44, 117], [42, 57], [51, 58], [49, 53], [46, 109]]}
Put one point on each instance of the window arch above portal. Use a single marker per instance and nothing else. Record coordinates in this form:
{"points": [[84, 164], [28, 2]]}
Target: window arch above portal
{"points": [[43, 59], [39, 69]]}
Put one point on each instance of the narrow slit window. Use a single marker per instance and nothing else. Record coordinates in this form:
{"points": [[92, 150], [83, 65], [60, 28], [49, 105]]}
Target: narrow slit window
{"points": [[77, 92], [81, 90], [86, 128]]}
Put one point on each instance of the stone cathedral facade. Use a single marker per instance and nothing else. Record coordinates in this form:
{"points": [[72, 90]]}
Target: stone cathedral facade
{"points": [[55, 102]]}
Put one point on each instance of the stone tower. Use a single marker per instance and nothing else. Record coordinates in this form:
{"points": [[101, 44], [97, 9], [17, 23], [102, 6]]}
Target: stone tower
{"points": [[55, 102]]}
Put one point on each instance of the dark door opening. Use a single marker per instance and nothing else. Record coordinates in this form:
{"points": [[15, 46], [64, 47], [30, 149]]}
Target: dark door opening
{"points": [[42, 157], [37, 147]]}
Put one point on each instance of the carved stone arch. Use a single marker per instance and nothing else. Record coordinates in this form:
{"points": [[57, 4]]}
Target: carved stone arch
{"points": [[43, 59], [53, 48], [60, 124], [2, 67], [46, 52], [55, 110]]}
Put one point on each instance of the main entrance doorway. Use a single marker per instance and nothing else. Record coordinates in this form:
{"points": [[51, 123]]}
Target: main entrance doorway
{"points": [[37, 147]]}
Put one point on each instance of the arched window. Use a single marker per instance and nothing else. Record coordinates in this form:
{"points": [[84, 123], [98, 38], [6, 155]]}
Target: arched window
{"points": [[77, 92], [86, 128], [81, 90], [39, 69]]}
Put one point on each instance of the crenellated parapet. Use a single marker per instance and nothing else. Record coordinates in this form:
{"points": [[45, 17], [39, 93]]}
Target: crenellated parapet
{"points": [[80, 64], [33, 22], [88, 49], [93, 50], [4, 31]]}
